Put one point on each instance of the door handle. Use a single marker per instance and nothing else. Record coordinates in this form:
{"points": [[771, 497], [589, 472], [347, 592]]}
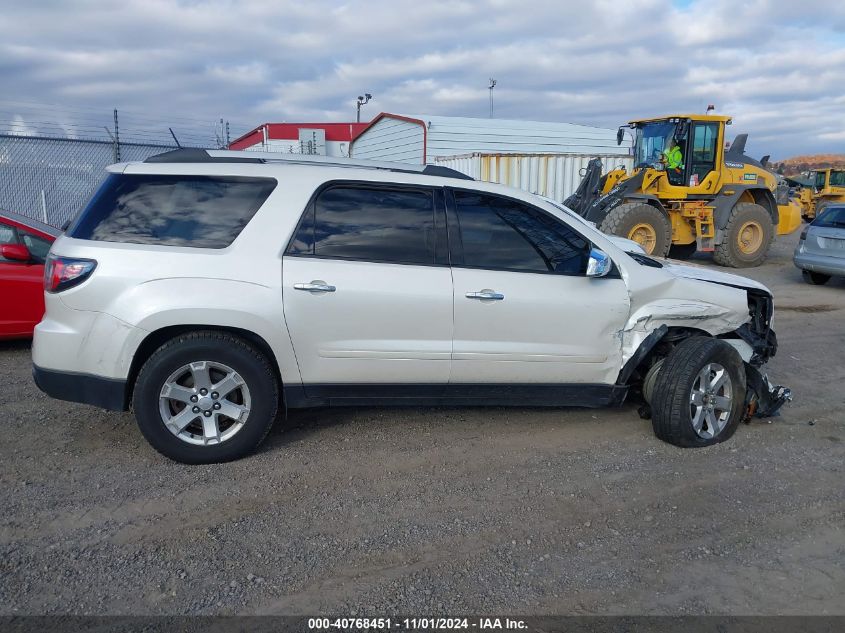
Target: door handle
{"points": [[490, 295], [315, 286]]}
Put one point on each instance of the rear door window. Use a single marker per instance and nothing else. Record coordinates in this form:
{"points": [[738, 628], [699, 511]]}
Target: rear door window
{"points": [[197, 211], [369, 223]]}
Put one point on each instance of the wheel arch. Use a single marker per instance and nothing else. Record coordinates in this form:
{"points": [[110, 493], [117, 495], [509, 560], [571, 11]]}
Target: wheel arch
{"points": [[724, 205], [658, 343], [159, 337]]}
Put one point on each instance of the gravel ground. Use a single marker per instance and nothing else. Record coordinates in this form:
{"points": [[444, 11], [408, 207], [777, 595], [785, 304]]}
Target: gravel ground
{"points": [[433, 510]]}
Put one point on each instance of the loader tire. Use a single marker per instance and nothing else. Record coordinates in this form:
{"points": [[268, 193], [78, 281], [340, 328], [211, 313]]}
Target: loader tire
{"points": [[643, 223], [747, 237]]}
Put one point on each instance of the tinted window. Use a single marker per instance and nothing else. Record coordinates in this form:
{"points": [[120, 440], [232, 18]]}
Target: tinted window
{"points": [[504, 234], [837, 179], [831, 217], [37, 246], [199, 211], [369, 224]]}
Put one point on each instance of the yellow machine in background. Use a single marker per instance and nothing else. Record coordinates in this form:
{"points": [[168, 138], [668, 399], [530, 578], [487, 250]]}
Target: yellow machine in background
{"points": [[716, 200], [828, 187]]}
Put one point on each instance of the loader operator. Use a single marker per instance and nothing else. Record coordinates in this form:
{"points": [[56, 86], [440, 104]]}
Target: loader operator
{"points": [[673, 159]]}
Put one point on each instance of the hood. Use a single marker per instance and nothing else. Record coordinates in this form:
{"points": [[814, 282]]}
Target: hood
{"points": [[694, 271], [624, 243]]}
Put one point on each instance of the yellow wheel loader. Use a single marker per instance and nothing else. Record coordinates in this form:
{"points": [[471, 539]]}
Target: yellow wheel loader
{"points": [[688, 193], [828, 187]]}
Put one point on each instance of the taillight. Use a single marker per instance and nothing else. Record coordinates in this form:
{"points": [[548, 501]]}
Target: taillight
{"points": [[61, 273]]}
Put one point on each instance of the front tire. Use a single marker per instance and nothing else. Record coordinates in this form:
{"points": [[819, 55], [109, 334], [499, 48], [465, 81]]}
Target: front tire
{"points": [[699, 393], [205, 397], [748, 235]]}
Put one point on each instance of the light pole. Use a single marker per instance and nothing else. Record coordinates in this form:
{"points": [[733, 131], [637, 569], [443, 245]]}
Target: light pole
{"points": [[490, 88], [362, 101]]}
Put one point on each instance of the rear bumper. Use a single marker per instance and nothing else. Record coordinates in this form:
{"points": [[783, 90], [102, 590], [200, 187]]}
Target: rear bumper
{"points": [[820, 263], [106, 393]]}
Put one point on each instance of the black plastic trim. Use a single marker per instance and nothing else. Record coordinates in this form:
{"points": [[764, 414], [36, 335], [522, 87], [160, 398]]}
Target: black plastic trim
{"points": [[520, 395], [192, 155], [106, 393]]}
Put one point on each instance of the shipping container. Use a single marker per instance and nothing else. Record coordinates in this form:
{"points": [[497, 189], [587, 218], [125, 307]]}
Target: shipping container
{"points": [[555, 176]]}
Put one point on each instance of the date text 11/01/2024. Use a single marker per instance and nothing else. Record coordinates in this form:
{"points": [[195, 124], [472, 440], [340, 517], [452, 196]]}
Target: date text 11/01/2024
{"points": [[431, 624]]}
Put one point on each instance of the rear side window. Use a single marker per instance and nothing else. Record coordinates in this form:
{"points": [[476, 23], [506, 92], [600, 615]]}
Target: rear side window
{"points": [[500, 233], [198, 211], [38, 246], [375, 224], [831, 217]]}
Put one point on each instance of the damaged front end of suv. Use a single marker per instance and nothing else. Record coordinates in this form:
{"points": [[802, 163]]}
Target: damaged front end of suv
{"points": [[762, 398], [683, 302]]}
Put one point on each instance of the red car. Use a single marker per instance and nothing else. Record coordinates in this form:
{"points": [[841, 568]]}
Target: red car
{"points": [[23, 248]]}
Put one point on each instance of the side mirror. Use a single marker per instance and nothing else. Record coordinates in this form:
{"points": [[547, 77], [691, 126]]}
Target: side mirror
{"points": [[15, 252], [599, 264], [620, 135]]}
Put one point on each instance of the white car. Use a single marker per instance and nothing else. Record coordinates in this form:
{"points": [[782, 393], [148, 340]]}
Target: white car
{"points": [[208, 291]]}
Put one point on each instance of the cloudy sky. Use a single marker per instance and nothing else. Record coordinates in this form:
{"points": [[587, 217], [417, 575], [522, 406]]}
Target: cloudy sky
{"points": [[777, 66]]}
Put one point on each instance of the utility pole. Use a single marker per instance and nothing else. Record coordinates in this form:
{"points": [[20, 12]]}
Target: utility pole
{"points": [[490, 88], [116, 139], [227, 135], [362, 100]]}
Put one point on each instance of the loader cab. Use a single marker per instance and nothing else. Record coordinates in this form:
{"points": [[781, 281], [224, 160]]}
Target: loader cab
{"points": [[700, 138], [824, 179]]}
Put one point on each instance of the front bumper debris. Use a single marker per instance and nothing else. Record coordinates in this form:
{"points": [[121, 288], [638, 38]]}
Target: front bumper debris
{"points": [[762, 398]]}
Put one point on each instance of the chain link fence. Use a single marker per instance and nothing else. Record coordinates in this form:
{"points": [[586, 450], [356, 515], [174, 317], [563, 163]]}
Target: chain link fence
{"points": [[50, 179]]}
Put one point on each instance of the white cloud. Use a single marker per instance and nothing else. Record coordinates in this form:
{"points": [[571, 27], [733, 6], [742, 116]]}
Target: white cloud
{"points": [[778, 70]]}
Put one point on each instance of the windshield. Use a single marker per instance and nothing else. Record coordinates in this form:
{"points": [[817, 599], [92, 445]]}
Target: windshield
{"points": [[819, 183], [652, 139], [832, 217]]}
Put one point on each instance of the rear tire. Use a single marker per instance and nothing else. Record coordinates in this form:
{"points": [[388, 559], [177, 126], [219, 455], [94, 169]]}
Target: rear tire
{"points": [[816, 279], [748, 236], [643, 223], [689, 383], [197, 380]]}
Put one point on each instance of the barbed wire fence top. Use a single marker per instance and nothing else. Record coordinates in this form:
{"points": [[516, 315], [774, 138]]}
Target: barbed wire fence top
{"points": [[53, 158]]}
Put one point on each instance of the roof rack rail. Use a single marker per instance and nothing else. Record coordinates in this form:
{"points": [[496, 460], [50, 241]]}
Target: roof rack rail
{"points": [[193, 155]]}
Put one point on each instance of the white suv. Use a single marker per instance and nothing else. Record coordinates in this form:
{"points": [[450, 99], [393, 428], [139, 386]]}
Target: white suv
{"points": [[206, 289]]}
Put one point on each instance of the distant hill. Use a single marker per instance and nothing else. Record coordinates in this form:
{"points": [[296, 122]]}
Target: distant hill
{"points": [[798, 164]]}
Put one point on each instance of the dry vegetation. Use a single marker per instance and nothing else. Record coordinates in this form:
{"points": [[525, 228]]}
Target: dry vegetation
{"points": [[798, 164]]}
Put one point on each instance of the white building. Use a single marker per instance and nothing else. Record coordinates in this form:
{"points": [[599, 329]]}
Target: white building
{"points": [[541, 157]]}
